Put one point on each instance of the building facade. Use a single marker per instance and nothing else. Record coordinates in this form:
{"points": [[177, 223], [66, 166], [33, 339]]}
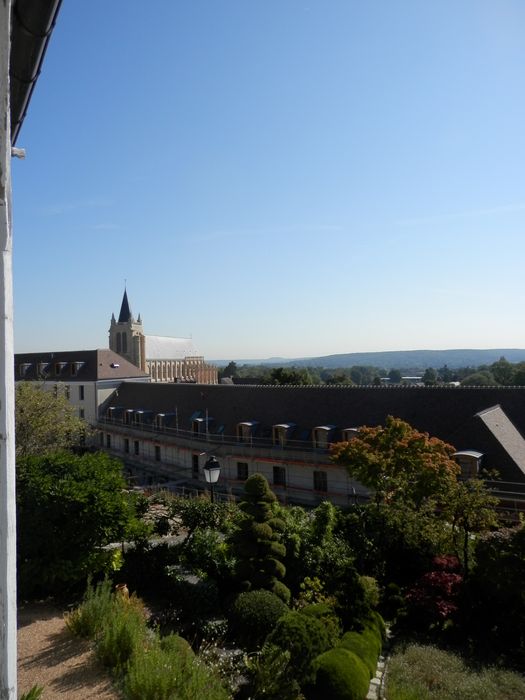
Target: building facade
{"points": [[167, 432], [88, 378]]}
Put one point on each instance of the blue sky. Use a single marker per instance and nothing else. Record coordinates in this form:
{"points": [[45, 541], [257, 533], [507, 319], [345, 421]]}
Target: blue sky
{"points": [[276, 178]]}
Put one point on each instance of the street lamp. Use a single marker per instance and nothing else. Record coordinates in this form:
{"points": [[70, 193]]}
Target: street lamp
{"points": [[212, 470]]}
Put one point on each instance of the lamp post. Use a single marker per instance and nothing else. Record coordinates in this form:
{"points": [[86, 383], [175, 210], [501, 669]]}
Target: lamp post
{"points": [[212, 470]]}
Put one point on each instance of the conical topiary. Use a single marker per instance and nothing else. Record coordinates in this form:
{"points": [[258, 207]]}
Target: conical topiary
{"points": [[256, 543]]}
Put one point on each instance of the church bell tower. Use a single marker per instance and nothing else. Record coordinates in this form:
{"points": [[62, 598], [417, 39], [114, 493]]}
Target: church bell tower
{"points": [[126, 336]]}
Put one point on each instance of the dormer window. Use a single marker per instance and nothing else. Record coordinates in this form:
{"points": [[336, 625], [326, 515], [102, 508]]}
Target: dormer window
{"points": [[74, 367], [22, 368], [42, 368], [349, 434], [59, 366], [246, 430], [322, 435], [201, 425], [469, 462], [281, 432], [159, 421]]}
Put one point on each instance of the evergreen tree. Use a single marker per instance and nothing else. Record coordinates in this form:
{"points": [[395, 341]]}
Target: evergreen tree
{"points": [[256, 544]]}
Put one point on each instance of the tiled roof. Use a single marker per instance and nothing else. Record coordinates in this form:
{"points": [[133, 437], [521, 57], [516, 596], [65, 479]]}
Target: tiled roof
{"points": [[75, 366], [447, 413]]}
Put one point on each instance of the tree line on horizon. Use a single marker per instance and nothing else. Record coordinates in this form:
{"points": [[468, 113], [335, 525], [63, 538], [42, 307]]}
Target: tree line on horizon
{"points": [[499, 373]]}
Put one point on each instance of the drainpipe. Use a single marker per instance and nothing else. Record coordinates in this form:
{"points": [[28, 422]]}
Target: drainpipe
{"points": [[8, 689]]}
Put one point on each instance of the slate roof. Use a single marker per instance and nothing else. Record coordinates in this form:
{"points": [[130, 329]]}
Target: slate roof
{"points": [[90, 366], [448, 413]]}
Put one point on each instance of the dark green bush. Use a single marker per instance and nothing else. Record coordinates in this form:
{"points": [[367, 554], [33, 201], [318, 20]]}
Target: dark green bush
{"points": [[364, 645], [173, 643], [253, 616], [339, 675], [326, 614], [304, 637]]}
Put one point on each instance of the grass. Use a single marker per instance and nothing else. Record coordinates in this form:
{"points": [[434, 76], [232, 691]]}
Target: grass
{"points": [[427, 673]]}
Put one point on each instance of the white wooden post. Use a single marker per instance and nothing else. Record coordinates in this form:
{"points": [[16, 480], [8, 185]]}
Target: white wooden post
{"points": [[8, 689]]}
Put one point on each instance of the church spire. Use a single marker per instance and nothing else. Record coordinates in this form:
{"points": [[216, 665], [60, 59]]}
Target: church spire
{"points": [[125, 312]]}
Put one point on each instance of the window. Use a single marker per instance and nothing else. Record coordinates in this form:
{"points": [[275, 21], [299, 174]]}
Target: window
{"points": [[67, 392], [242, 471], [73, 368], [322, 436], [321, 481], [279, 476], [124, 343], [81, 392], [119, 343], [246, 430], [195, 466], [136, 447], [157, 453], [101, 439], [108, 441], [126, 445], [81, 413]]}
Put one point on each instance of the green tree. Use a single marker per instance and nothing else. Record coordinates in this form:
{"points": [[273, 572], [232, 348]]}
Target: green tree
{"points": [[470, 510], [282, 375], [231, 370], [430, 376], [45, 422], [257, 543], [68, 508], [399, 463], [482, 378], [503, 371], [395, 376]]}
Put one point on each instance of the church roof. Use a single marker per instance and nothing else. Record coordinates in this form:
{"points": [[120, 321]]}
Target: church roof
{"points": [[160, 347], [125, 312]]}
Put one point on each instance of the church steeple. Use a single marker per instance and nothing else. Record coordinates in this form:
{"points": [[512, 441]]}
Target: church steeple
{"points": [[126, 336], [125, 312]]}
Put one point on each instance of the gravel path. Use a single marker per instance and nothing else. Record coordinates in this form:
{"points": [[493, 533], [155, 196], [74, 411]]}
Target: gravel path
{"points": [[49, 655]]}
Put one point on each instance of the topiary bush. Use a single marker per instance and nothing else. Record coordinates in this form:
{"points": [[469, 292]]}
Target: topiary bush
{"points": [[253, 616], [364, 645], [338, 675], [326, 614], [305, 637], [256, 543]]}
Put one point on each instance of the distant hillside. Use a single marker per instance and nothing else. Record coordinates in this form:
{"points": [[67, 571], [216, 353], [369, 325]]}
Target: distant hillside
{"points": [[416, 359], [404, 360]]}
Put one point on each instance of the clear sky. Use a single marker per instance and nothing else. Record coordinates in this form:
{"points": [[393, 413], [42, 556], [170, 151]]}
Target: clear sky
{"points": [[276, 177]]}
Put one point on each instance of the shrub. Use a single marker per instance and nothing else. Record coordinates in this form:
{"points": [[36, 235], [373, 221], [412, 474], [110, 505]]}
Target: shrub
{"points": [[268, 676], [256, 544], [339, 675], [253, 616], [88, 618], [364, 645], [164, 674], [123, 633], [326, 614], [371, 591], [173, 643], [304, 637], [433, 674]]}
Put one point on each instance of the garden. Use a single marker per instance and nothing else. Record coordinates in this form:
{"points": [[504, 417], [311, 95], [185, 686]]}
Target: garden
{"points": [[253, 599]]}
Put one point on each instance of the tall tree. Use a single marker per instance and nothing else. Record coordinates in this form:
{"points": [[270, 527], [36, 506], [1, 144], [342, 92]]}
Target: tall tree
{"points": [[45, 421], [68, 508], [399, 463]]}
